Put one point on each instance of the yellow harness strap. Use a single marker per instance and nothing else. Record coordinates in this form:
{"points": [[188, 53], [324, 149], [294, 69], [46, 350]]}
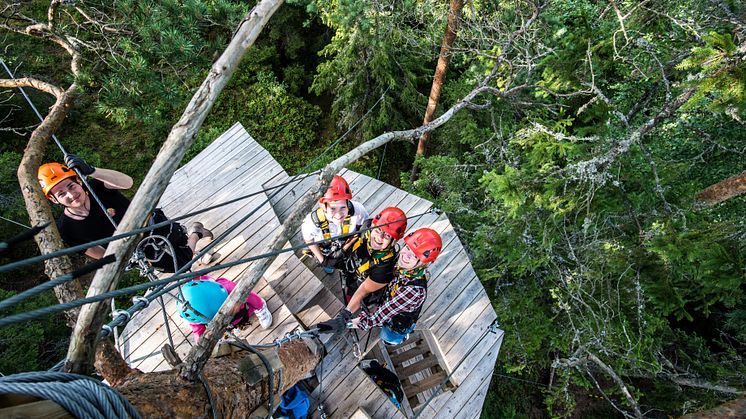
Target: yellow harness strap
{"points": [[324, 223], [376, 259]]}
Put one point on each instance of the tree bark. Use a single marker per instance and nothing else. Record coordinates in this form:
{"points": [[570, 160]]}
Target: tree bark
{"points": [[37, 206], [48, 240], [723, 190], [440, 75], [238, 382], [731, 409], [83, 340]]}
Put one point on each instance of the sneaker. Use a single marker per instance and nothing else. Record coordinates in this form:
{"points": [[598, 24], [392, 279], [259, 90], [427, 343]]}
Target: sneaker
{"points": [[264, 316], [207, 257], [200, 230]]}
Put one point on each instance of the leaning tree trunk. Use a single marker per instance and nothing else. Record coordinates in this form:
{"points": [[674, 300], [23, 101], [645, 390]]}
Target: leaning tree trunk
{"points": [[440, 75], [723, 190], [38, 207], [238, 382], [80, 353]]}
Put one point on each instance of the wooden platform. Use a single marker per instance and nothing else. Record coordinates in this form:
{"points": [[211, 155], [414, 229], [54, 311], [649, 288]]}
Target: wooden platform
{"points": [[454, 320]]}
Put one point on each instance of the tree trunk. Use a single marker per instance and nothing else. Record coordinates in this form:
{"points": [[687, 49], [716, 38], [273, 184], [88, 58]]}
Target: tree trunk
{"points": [[83, 340], [238, 382], [440, 75], [723, 190], [731, 409], [38, 207]]}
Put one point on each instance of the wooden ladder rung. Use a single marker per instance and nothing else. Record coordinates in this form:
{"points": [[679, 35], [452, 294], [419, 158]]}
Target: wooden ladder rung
{"points": [[403, 344], [425, 384], [399, 358], [428, 362]]}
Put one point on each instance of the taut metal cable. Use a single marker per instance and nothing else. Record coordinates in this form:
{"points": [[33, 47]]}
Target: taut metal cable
{"points": [[176, 279], [78, 248]]}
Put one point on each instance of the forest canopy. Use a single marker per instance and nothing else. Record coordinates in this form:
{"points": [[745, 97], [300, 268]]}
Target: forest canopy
{"points": [[575, 180]]}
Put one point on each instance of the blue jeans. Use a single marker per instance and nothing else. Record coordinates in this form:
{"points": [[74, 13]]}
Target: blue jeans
{"points": [[389, 337]]}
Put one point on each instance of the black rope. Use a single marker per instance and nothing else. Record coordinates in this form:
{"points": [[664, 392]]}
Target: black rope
{"points": [[22, 237], [162, 285], [240, 343], [210, 397], [84, 246]]}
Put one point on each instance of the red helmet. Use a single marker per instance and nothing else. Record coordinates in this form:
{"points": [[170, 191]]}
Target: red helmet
{"points": [[338, 190], [393, 220], [425, 243], [51, 174]]}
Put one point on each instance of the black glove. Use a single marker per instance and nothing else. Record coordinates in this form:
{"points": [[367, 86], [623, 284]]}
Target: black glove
{"points": [[336, 324], [74, 162], [344, 314]]}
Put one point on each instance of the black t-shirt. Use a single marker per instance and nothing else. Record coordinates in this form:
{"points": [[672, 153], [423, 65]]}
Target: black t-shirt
{"points": [[381, 272], [95, 226]]}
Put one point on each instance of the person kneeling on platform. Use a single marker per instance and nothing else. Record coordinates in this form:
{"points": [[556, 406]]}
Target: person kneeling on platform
{"points": [[83, 220], [368, 264], [404, 296], [203, 297], [336, 215]]}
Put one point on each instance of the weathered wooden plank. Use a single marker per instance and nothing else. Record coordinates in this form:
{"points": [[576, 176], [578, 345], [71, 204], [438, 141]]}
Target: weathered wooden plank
{"points": [[221, 168], [222, 150], [454, 327], [230, 139], [428, 361], [227, 182], [469, 387]]}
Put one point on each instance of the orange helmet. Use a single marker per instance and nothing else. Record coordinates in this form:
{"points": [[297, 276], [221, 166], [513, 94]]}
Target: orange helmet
{"points": [[393, 221], [425, 243], [338, 190], [50, 174]]}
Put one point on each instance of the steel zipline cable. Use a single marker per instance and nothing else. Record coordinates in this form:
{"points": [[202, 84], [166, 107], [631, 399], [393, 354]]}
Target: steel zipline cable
{"points": [[162, 286], [300, 176], [83, 397]]}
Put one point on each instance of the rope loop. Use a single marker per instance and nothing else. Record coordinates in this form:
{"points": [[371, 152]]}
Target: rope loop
{"points": [[127, 315]]}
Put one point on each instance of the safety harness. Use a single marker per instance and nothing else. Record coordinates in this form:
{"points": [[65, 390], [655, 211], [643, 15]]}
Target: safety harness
{"points": [[401, 322], [377, 256], [319, 218]]}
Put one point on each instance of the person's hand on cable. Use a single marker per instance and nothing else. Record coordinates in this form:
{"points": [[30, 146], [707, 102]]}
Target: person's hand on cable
{"points": [[338, 323], [75, 162]]}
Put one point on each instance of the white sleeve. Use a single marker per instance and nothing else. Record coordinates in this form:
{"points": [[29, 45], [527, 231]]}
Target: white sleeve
{"points": [[361, 214], [310, 231]]}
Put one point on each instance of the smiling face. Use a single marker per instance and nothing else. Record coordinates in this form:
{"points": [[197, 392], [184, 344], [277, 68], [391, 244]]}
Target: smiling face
{"points": [[379, 239], [407, 259], [336, 211], [69, 193]]}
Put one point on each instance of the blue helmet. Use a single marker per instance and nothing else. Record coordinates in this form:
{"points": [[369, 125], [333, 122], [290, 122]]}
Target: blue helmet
{"points": [[203, 300]]}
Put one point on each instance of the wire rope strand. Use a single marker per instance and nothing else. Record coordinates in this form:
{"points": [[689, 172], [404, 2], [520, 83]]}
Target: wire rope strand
{"points": [[162, 285], [106, 240]]}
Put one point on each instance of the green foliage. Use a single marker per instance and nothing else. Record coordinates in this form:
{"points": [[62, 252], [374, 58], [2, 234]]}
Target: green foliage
{"points": [[34, 345], [721, 74]]}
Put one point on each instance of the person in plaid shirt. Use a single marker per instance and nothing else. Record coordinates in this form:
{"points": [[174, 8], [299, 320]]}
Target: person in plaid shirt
{"points": [[406, 294]]}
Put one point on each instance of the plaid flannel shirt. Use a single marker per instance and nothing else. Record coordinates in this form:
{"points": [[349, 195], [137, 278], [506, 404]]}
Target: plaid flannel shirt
{"points": [[405, 299]]}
